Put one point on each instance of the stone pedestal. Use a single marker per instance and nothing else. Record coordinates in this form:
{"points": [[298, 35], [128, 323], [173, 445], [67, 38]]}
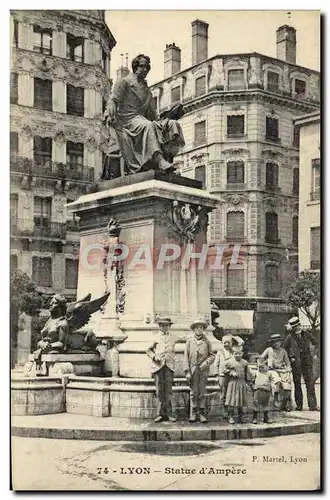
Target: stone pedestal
{"points": [[37, 396], [159, 217], [61, 364]]}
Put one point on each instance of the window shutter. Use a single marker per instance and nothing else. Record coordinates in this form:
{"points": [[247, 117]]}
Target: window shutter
{"points": [[75, 100], [200, 85], [14, 142], [272, 280], [236, 79], [235, 226], [200, 133], [71, 273], [315, 244], [13, 88], [235, 281]]}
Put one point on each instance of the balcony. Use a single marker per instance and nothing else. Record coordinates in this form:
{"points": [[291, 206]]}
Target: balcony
{"points": [[30, 229], [315, 265], [72, 225], [48, 168], [272, 187], [236, 185], [272, 239], [315, 196]]}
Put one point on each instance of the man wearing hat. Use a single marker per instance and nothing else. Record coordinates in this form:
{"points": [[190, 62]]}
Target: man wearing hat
{"points": [[197, 359], [162, 354], [297, 345]]}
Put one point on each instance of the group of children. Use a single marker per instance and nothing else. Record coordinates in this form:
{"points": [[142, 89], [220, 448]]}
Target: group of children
{"points": [[273, 374]]}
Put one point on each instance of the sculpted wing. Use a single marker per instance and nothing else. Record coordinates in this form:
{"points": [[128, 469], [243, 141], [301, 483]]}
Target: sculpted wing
{"points": [[72, 305], [82, 310]]}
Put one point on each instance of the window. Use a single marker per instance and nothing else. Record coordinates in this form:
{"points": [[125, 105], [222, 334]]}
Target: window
{"points": [[235, 125], [295, 230], [271, 128], [43, 94], [271, 227], [42, 150], [272, 280], [200, 133], [42, 40], [235, 226], [14, 142], [104, 61], [295, 181], [155, 103], [200, 175], [74, 154], [271, 175], [316, 173], [75, 48], [13, 263], [235, 172], [299, 87], [75, 100], [296, 137], [272, 81], [42, 212], [13, 88], [236, 79], [235, 281], [15, 38], [42, 271], [71, 273], [200, 85], [315, 248], [13, 206], [175, 95]]}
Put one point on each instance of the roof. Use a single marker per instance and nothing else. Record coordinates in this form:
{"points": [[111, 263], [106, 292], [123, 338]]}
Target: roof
{"points": [[246, 54], [307, 119]]}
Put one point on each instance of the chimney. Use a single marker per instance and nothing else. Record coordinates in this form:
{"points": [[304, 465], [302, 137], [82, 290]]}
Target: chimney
{"points": [[286, 43], [199, 41], [123, 70], [172, 60]]}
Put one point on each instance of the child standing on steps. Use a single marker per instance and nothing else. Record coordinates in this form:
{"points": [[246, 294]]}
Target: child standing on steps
{"points": [[239, 375], [262, 387]]}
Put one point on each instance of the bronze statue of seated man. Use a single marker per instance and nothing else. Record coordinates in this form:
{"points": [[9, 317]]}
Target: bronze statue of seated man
{"points": [[146, 141]]}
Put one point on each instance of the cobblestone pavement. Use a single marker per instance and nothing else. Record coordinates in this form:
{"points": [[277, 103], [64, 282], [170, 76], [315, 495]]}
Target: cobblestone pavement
{"points": [[278, 463]]}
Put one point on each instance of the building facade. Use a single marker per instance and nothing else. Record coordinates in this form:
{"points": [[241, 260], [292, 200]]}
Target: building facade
{"points": [[60, 81], [309, 192], [241, 143]]}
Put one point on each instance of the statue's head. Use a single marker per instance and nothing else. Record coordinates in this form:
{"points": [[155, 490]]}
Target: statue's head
{"points": [[57, 305], [141, 65]]}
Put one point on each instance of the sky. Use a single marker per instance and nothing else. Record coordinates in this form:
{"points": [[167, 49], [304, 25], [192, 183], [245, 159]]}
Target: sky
{"points": [[230, 32]]}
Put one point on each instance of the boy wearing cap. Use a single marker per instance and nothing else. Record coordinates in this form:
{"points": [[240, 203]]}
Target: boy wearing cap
{"points": [[197, 359], [162, 354], [297, 345]]}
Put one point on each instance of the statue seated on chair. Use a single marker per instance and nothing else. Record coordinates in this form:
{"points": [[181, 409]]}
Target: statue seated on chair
{"points": [[146, 141]]}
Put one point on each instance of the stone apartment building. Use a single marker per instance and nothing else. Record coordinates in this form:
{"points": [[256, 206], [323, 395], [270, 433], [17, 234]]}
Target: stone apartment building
{"points": [[60, 79], [241, 143], [308, 126]]}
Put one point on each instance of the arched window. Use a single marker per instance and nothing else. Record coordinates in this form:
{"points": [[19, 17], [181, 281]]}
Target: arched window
{"points": [[235, 281], [235, 226], [272, 282]]}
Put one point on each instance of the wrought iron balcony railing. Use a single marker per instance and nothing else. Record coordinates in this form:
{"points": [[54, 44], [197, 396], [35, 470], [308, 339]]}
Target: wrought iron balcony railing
{"points": [[28, 227], [48, 168], [236, 185]]}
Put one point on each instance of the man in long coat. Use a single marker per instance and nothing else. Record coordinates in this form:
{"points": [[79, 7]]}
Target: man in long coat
{"points": [[145, 142], [297, 344], [162, 354]]}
